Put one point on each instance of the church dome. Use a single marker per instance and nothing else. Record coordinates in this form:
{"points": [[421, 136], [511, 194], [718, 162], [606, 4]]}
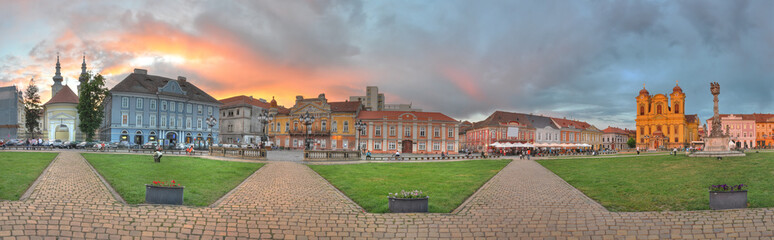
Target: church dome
{"points": [[273, 102], [644, 91], [677, 89]]}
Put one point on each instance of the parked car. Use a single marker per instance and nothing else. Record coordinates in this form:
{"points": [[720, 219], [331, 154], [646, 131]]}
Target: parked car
{"points": [[150, 145], [57, 143]]}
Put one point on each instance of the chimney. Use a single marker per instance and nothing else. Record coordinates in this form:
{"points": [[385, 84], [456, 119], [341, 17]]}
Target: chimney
{"points": [[141, 71], [180, 78]]}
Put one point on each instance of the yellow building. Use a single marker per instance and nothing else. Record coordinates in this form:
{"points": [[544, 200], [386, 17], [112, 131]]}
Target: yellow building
{"points": [[664, 125], [333, 127]]}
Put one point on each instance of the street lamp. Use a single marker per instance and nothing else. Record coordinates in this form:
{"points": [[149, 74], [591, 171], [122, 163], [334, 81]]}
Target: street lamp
{"points": [[307, 120], [211, 121], [264, 117], [359, 126]]}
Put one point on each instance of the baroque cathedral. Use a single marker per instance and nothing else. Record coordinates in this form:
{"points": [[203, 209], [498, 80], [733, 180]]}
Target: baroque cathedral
{"points": [[664, 125], [60, 114]]}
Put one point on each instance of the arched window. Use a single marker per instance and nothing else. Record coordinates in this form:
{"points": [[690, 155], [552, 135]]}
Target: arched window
{"points": [[658, 109], [642, 110], [677, 107]]}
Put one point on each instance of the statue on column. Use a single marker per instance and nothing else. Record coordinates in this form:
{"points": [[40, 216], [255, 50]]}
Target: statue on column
{"points": [[717, 129]]}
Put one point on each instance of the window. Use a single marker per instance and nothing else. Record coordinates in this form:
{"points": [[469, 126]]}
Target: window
{"points": [[391, 146], [407, 132], [179, 122], [334, 128], [124, 102], [138, 121], [437, 132], [658, 109], [450, 147], [209, 110], [163, 105], [422, 132], [333, 143], [345, 144], [139, 103], [152, 104], [364, 131], [392, 130], [642, 110], [295, 125], [377, 146], [421, 146], [163, 121], [295, 142], [436, 146], [677, 108], [199, 109], [172, 121], [451, 132], [199, 123], [323, 125], [171, 106], [230, 128], [124, 119], [152, 120], [378, 131], [180, 107], [188, 108], [287, 126], [346, 126], [278, 127], [322, 143]]}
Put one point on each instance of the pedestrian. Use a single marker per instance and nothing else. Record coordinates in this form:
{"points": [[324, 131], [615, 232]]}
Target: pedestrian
{"points": [[368, 155], [529, 153]]}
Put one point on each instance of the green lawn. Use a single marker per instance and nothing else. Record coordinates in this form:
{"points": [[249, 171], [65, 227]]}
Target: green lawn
{"points": [[205, 180], [447, 183], [666, 183], [19, 170]]}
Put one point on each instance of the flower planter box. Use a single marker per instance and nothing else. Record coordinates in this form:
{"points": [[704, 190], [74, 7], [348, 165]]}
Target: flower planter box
{"points": [[163, 195], [407, 205], [728, 200]]}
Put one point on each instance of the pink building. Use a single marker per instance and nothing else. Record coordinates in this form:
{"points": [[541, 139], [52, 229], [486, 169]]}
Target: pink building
{"points": [[741, 128]]}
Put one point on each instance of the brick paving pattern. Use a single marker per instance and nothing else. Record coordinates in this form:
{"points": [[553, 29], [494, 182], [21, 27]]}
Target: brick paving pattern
{"points": [[286, 200]]}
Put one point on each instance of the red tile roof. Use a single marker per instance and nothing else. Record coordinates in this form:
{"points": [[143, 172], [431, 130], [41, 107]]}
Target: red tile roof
{"points": [[566, 123], [243, 100], [65, 95], [499, 117], [615, 130], [395, 115], [345, 106]]}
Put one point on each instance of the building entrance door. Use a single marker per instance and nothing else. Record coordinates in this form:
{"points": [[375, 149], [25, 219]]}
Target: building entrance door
{"points": [[407, 146]]}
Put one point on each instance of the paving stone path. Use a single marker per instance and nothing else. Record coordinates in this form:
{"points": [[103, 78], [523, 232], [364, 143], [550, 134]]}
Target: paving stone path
{"points": [[287, 200]]}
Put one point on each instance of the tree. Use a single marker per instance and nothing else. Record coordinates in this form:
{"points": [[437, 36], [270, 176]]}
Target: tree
{"points": [[90, 109], [32, 109], [632, 143]]}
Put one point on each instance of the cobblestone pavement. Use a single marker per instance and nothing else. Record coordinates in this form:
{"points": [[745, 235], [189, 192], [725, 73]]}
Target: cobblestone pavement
{"points": [[288, 200]]}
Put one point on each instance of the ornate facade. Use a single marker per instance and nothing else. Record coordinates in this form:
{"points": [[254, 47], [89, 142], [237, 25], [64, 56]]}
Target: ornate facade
{"points": [[60, 114], [333, 127], [662, 124]]}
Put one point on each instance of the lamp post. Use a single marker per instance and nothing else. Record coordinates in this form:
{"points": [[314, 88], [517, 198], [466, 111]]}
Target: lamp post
{"points": [[307, 120], [264, 118], [359, 126], [211, 121]]}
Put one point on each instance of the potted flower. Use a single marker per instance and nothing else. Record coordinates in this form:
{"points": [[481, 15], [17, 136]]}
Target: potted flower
{"points": [[164, 193], [408, 201], [728, 197]]}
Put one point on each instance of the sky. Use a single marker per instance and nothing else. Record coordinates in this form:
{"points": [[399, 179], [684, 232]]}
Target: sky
{"points": [[584, 60]]}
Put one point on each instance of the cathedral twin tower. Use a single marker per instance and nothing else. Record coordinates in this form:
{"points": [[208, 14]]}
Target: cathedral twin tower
{"points": [[58, 77]]}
